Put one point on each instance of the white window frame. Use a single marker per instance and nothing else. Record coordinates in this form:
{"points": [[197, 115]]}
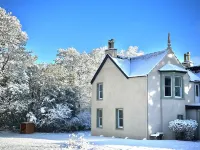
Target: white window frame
{"points": [[181, 87], [118, 119], [170, 85], [99, 91], [99, 118]]}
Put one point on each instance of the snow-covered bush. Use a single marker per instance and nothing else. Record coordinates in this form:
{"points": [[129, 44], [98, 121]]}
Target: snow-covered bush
{"points": [[183, 129], [85, 119], [76, 142], [59, 110]]}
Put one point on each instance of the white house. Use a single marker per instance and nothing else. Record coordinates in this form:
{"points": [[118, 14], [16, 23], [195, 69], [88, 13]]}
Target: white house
{"points": [[136, 97]]}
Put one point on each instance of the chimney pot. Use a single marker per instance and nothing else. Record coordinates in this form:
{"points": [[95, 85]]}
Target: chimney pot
{"points": [[187, 62], [188, 56], [111, 50]]}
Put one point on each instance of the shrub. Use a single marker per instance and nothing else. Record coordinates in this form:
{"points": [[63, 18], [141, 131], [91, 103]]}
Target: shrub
{"points": [[76, 142], [85, 120], [60, 120], [183, 129]]}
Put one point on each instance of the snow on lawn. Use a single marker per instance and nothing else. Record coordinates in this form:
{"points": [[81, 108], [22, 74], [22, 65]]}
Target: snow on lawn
{"points": [[48, 141]]}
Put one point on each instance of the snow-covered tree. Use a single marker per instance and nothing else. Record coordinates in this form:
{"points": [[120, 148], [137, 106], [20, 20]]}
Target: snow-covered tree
{"points": [[132, 51], [55, 96], [14, 60]]}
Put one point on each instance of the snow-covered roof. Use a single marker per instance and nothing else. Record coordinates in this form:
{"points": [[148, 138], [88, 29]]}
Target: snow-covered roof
{"points": [[171, 67], [198, 74], [141, 65], [124, 64], [193, 77]]}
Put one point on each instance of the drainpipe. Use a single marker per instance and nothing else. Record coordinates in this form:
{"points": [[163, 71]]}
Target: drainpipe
{"points": [[161, 109], [147, 109]]}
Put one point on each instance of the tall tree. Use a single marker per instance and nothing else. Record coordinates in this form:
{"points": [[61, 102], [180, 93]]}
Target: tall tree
{"points": [[14, 59]]}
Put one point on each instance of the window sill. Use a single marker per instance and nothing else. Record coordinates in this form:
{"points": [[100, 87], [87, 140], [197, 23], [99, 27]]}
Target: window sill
{"points": [[179, 98], [99, 99], [173, 98], [167, 97], [100, 127], [118, 128]]}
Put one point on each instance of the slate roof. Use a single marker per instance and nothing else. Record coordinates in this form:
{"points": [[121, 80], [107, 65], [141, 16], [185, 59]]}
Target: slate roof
{"points": [[193, 76], [143, 65], [198, 74], [171, 67]]}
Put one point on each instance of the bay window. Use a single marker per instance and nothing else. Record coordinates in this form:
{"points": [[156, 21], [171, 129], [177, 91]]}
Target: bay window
{"points": [[172, 86]]}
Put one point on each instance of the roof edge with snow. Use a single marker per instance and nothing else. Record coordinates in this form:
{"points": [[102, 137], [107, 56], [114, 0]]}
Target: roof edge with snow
{"points": [[102, 64], [125, 64]]}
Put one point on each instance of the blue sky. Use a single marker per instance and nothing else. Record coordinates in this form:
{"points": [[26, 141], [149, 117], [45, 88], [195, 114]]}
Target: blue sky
{"points": [[88, 24]]}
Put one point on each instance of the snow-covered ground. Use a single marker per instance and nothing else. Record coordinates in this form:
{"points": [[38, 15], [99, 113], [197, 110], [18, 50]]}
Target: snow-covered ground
{"points": [[9, 140]]}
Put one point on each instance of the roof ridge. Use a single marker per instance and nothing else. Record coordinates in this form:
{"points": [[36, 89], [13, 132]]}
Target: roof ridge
{"points": [[149, 54], [135, 57]]}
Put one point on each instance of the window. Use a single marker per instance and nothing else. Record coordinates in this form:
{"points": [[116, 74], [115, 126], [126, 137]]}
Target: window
{"points": [[197, 90], [180, 117], [168, 86], [172, 85], [119, 118], [100, 91], [99, 118], [178, 87]]}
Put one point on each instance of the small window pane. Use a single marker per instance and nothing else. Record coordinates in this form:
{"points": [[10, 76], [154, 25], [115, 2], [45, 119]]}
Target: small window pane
{"points": [[168, 81], [197, 90], [177, 91], [180, 117], [100, 87], [178, 87], [167, 91], [121, 122], [100, 94], [177, 81], [100, 122], [168, 86], [100, 113], [120, 114]]}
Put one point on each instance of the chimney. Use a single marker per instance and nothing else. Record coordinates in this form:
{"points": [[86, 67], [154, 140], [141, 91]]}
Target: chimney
{"points": [[185, 58], [111, 50], [188, 56], [187, 62]]}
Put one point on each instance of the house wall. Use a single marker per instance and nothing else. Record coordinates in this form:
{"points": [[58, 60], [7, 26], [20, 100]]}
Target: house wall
{"points": [[195, 115], [120, 92], [191, 114], [161, 111]]}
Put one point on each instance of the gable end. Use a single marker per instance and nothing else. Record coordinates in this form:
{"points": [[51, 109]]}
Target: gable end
{"points": [[102, 64]]}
